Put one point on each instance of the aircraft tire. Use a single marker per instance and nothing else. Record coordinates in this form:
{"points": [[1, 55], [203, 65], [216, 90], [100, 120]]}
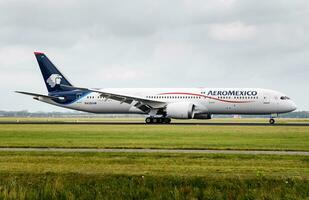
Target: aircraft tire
{"points": [[166, 120], [148, 120], [272, 121]]}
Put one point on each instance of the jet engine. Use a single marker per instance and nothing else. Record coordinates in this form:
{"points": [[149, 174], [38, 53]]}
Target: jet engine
{"points": [[181, 110], [202, 116]]}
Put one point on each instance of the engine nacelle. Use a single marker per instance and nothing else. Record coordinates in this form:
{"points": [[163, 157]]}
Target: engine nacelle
{"points": [[181, 110], [202, 116]]}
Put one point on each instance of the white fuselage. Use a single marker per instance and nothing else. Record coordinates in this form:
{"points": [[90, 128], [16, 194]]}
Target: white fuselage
{"points": [[206, 100]]}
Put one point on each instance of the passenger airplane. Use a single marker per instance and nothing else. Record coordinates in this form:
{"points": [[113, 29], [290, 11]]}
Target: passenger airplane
{"points": [[159, 104]]}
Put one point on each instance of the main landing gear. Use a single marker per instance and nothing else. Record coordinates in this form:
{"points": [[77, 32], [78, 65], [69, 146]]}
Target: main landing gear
{"points": [[157, 120]]}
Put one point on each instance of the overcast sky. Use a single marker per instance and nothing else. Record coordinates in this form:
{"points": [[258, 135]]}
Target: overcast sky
{"points": [[155, 43]]}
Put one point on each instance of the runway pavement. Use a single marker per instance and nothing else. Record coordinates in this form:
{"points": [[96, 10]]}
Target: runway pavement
{"points": [[142, 123], [187, 151]]}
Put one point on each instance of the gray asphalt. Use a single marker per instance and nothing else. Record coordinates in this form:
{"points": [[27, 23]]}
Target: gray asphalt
{"points": [[142, 123], [188, 151]]}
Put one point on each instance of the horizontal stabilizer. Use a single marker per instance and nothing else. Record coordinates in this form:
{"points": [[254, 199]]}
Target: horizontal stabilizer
{"points": [[38, 95], [73, 88]]}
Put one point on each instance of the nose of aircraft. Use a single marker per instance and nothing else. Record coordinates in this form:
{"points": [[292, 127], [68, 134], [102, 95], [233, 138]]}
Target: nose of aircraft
{"points": [[292, 106]]}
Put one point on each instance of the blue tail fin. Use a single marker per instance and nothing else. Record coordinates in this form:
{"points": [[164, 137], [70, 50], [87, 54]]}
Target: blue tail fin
{"points": [[52, 76]]}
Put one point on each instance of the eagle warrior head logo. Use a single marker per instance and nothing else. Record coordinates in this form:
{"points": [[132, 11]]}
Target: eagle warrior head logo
{"points": [[54, 80]]}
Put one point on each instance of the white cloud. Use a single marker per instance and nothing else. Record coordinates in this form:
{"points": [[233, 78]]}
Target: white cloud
{"points": [[121, 73], [176, 43], [235, 31]]}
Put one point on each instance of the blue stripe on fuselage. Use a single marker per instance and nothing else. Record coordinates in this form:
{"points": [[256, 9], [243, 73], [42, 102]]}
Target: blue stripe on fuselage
{"points": [[70, 96]]}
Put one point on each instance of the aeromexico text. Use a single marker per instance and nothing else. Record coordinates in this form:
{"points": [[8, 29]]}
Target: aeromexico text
{"points": [[232, 93]]}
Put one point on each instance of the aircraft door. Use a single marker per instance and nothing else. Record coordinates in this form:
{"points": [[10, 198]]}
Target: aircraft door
{"points": [[266, 99], [270, 102]]}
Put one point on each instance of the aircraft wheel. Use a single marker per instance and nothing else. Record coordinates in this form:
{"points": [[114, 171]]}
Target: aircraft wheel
{"points": [[148, 120], [166, 120], [272, 121], [160, 120]]}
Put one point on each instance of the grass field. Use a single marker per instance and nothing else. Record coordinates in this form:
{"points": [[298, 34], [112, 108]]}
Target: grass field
{"points": [[157, 164], [56, 175], [33, 175], [156, 136], [84, 186]]}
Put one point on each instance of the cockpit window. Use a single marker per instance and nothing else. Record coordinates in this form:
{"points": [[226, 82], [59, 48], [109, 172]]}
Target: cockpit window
{"points": [[284, 98]]}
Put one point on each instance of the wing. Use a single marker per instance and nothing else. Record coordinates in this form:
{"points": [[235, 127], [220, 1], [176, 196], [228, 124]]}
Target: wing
{"points": [[142, 103], [36, 96]]}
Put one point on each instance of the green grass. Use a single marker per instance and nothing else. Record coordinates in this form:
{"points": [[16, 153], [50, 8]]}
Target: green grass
{"points": [[56, 175], [77, 186], [156, 136], [210, 165], [33, 175]]}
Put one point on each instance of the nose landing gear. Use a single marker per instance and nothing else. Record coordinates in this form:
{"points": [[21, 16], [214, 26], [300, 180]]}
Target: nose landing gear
{"points": [[157, 120], [272, 121], [272, 118]]}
